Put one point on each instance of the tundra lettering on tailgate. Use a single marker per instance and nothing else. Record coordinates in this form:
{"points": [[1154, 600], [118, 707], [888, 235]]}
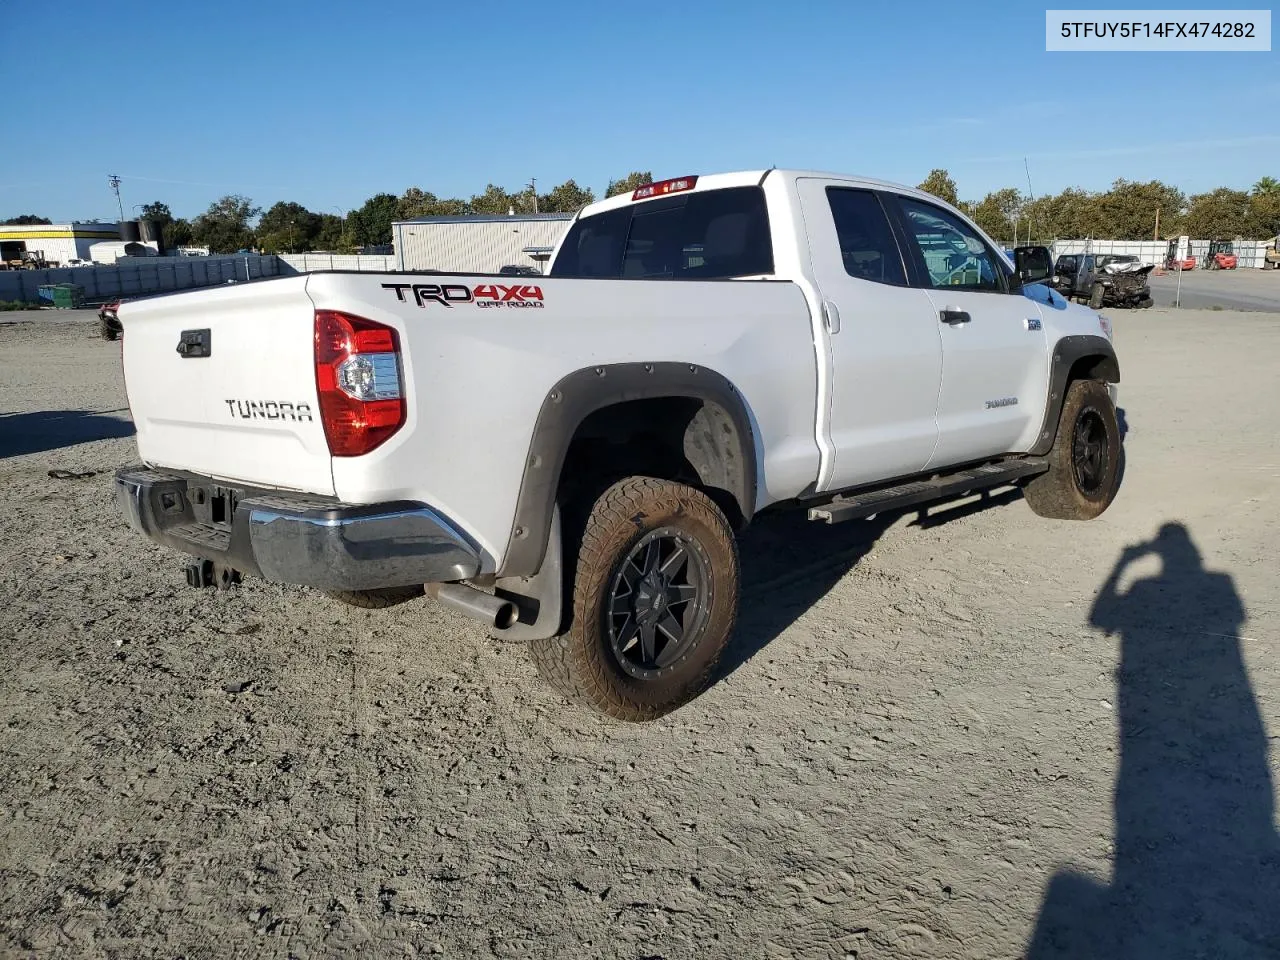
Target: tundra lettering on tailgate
{"points": [[268, 410], [485, 295]]}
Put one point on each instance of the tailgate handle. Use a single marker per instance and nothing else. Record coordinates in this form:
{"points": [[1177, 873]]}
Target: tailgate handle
{"points": [[195, 343]]}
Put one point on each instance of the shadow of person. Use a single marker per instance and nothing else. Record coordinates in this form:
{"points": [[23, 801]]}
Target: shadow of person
{"points": [[1197, 860]]}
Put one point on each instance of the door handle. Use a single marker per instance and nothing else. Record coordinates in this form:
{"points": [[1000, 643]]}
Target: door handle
{"points": [[831, 316], [953, 315]]}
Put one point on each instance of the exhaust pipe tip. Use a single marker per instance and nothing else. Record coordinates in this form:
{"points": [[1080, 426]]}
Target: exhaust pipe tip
{"points": [[494, 611], [507, 616]]}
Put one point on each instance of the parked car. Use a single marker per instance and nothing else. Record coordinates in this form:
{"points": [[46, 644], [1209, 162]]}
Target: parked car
{"points": [[1123, 279], [1075, 277], [570, 458]]}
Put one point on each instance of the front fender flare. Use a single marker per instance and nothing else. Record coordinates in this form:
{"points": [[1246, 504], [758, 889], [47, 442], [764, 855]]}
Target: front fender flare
{"points": [[1067, 352]]}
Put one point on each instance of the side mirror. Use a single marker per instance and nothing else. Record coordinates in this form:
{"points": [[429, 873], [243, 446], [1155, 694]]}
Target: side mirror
{"points": [[1033, 264]]}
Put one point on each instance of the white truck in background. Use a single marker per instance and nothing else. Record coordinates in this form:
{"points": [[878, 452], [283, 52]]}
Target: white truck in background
{"points": [[570, 457]]}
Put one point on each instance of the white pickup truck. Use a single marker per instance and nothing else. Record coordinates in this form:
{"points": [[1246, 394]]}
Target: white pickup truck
{"points": [[570, 457]]}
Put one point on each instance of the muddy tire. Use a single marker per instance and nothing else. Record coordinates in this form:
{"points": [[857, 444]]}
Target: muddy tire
{"points": [[655, 598], [108, 329], [1084, 464], [378, 599], [1097, 295]]}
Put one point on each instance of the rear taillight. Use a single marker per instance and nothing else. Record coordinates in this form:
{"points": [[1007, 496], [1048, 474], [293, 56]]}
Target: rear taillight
{"points": [[358, 378]]}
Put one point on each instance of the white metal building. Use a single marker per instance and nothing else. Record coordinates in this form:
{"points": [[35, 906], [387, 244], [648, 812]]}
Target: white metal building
{"points": [[56, 242], [477, 244], [109, 251]]}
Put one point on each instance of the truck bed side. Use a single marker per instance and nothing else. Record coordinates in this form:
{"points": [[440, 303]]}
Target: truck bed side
{"points": [[478, 369]]}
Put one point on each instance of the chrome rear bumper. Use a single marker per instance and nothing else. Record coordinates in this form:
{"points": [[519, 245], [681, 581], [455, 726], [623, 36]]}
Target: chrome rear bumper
{"points": [[296, 538]]}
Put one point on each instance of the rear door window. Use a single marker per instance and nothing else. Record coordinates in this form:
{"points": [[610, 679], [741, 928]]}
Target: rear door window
{"points": [[867, 247], [699, 236]]}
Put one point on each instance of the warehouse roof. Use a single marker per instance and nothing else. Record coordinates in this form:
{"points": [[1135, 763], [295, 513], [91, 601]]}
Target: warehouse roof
{"points": [[493, 218]]}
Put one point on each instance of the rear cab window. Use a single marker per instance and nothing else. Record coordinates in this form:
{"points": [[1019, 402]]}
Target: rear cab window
{"points": [[712, 235]]}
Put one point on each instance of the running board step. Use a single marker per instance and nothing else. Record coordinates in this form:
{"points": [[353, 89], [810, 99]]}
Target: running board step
{"points": [[859, 506]]}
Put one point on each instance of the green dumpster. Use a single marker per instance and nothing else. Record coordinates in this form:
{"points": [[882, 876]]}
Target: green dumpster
{"points": [[68, 296]]}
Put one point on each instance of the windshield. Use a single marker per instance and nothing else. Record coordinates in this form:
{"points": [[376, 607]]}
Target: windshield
{"points": [[716, 234]]}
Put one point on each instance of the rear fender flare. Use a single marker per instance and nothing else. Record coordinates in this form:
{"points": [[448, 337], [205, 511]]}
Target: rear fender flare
{"points": [[581, 393]]}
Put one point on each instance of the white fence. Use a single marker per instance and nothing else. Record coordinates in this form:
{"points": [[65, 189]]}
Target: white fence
{"points": [[1249, 253], [138, 276], [311, 262]]}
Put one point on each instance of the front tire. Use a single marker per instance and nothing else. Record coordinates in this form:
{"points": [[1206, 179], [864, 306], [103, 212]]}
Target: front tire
{"points": [[1084, 464], [1096, 296], [655, 598]]}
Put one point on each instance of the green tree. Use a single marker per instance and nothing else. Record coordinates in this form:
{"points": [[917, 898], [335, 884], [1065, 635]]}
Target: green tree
{"points": [[288, 227], [566, 198], [1128, 210], [493, 200], [158, 213], [1264, 209], [1221, 214], [415, 203], [333, 235], [940, 184], [997, 212], [179, 234], [224, 227], [26, 220], [371, 224], [627, 184]]}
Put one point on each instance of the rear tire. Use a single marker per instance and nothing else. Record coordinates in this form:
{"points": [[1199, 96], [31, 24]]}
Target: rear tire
{"points": [[1084, 464], [655, 598], [378, 599]]}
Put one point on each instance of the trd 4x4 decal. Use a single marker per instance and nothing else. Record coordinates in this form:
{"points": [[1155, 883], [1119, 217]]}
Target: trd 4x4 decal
{"points": [[484, 295]]}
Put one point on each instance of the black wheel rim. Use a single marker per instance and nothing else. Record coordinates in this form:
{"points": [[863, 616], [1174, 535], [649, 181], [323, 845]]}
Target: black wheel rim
{"points": [[658, 602], [1089, 452]]}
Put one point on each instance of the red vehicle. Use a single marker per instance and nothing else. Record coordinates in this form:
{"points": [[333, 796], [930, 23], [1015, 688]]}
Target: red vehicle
{"points": [[1179, 255], [1221, 256]]}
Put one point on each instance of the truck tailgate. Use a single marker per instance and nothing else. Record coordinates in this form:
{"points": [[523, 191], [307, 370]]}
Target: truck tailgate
{"points": [[222, 382]]}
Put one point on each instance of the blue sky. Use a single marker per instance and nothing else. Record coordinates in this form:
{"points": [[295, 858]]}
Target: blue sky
{"points": [[327, 103]]}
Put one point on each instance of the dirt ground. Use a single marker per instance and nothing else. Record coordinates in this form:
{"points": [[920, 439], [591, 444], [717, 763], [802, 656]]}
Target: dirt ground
{"points": [[959, 739]]}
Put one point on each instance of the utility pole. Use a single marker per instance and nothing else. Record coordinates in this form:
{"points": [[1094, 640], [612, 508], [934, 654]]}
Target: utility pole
{"points": [[1030, 193], [1156, 235], [533, 188], [114, 181]]}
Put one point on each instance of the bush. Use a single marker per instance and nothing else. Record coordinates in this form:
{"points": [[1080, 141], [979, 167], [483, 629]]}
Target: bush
{"points": [[17, 305]]}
